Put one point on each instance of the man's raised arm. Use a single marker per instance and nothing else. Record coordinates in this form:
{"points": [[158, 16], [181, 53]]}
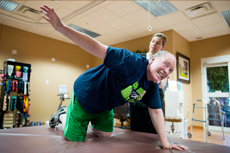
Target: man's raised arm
{"points": [[82, 40]]}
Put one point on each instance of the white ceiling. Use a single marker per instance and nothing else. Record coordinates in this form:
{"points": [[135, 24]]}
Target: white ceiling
{"points": [[119, 21]]}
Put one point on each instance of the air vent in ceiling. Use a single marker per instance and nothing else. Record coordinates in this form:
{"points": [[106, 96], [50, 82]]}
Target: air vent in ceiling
{"points": [[226, 16], [29, 12], [199, 10]]}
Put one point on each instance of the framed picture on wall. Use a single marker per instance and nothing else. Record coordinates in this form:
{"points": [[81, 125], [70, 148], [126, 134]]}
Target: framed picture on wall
{"points": [[183, 68]]}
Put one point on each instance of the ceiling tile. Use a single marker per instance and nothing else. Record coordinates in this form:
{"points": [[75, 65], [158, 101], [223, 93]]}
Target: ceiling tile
{"points": [[16, 25], [37, 4], [213, 28], [91, 10], [161, 29], [102, 15], [106, 40], [62, 3], [219, 33], [136, 32], [122, 8], [221, 5], [5, 12], [207, 20], [74, 18], [119, 24], [22, 18], [109, 17], [182, 5], [119, 36], [191, 33], [43, 21], [19, 1], [2, 20], [139, 16], [103, 29], [155, 24], [188, 25], [194, 38], [63, 12], [76, 5], [173, 18], [41, 30], [104, 3], [191, 39], [86, 23]]}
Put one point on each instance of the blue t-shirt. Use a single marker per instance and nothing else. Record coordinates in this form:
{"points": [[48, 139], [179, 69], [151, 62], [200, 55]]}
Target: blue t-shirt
{"points": [[121, 78]]}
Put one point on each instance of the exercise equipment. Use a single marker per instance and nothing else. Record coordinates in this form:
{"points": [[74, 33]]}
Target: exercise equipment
{"points": [[13, 85], [18, 67], [10, 70], [62, 98]]}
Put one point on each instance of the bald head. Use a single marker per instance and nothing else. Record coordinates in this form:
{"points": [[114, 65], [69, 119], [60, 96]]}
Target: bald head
{"points": [[161, 65]]}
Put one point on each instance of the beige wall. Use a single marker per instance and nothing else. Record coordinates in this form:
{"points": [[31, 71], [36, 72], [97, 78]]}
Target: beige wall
{"points": [[38, 50], [182, 46], [217, 46], [71, 61]]}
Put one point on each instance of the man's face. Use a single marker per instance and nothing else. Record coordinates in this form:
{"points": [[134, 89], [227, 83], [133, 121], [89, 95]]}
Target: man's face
{"points": [[155, 45], [161, 67]]}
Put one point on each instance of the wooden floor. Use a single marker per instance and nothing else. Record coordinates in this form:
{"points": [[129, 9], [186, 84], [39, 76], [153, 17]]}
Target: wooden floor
{"points": [[216, 137], [198, 135]]}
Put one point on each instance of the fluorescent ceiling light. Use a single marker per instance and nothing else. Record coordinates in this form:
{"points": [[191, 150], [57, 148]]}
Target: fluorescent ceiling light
{"points": [[157, 8], [226, 16], [90, 33], [8, 5]]}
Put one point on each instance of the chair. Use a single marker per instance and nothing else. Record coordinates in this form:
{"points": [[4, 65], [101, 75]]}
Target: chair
{"points": [[173, 119], [122, 113]]}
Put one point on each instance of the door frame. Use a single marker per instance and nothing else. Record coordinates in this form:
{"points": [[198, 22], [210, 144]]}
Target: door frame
{"points": [[211, 62]]}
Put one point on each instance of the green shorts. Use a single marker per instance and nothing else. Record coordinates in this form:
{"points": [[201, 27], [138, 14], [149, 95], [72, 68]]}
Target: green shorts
{"points": [[77, 121]]}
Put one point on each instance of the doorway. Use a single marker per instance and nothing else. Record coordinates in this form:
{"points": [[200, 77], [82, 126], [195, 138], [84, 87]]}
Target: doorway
{"points": [[215, 86]]}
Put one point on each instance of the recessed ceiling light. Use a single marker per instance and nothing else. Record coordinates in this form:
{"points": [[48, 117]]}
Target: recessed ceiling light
{"points": [[157, 8], [8, 5], [226, 16], [90, 33]]}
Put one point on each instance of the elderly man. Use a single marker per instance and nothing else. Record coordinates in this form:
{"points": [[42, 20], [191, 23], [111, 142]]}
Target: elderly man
{"points": [[123, 77]]}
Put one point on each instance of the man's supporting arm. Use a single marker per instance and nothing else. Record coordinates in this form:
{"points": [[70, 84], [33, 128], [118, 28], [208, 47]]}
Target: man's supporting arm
{"points": [[158, 122]]}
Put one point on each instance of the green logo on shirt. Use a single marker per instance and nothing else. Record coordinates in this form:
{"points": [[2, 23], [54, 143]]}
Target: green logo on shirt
{"points": [[132, 93]]}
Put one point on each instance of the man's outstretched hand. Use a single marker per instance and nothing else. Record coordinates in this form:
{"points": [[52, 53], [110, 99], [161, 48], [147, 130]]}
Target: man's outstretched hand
{"points": [[51, 16], [174, 146]]}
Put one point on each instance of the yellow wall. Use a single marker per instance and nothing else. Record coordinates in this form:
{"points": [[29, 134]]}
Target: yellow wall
{"points": [[217, 46], [38, 50]]}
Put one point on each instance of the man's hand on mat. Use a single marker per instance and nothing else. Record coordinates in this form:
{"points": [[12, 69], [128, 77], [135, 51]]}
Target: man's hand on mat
{"points": [[174, 146], [51, 16]]}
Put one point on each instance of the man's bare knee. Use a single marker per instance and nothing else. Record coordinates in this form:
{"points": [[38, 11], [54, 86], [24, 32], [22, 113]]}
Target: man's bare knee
{"points": [[101, 133]]}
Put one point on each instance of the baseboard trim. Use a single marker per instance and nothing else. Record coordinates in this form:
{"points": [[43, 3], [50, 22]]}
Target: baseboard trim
{"points": [[195, 126]]}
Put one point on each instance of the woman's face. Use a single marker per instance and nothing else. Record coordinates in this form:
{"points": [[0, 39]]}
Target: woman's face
{"points": [[155, 45]]}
